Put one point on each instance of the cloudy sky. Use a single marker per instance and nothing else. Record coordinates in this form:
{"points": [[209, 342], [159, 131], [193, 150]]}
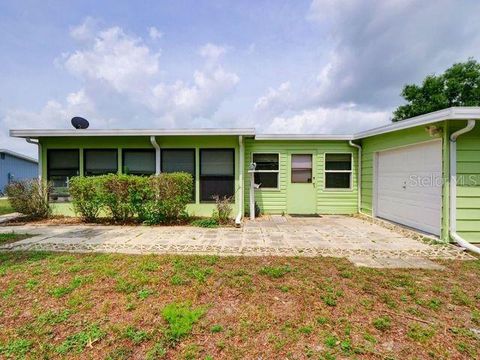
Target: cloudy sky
{"points": [[321, 66]]}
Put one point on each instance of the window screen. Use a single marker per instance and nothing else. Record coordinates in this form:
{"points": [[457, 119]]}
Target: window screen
{"points": [[217, 168], [179, 160], [100, 162], [266, 170], [139, 161], [338, 171], [301, 168], [61, 166]]}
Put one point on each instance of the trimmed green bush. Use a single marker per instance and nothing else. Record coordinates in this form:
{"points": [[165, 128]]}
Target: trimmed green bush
{"points": [[30, 197], [153, 200], [86, 196], [168, 197]]}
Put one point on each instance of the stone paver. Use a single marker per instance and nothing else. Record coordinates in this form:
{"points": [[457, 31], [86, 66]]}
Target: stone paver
{"points": [[363, 242]]}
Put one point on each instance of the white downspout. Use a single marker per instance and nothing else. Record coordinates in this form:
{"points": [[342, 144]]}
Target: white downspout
{"points": [[453, 189], [40, 163], [154, 143], [238, 219], [359, 175]]}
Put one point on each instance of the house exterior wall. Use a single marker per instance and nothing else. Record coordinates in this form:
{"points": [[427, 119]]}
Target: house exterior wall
{"points": [[191, 142], [13, 168], [468, 183], [374, 144], [275, 201]]}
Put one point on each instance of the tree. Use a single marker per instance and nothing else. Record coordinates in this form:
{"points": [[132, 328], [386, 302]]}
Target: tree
{"points": [[459, 85]]}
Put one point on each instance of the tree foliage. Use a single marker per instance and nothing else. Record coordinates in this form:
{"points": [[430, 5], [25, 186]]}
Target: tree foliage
{"points": [[459, 85]]}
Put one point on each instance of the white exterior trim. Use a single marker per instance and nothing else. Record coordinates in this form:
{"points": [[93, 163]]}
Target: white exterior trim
{"points": [[35, 133], [302, 137], [325, 171]]}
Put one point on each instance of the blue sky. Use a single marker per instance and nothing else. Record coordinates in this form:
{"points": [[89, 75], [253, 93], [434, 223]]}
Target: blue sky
{"points": [[321, 66]]}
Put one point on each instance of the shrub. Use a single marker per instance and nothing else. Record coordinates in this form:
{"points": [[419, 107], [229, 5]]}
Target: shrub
{"points": [[223, 210], [205, 223], [168, 197], [86, 196], [117, 193], [30, 197]]}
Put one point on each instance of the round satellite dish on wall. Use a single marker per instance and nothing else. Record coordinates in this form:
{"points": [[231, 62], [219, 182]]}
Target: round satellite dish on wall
{"points": [[79, 123]]}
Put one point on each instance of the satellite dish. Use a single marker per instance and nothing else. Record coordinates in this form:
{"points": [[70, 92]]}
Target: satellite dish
{"points": [[79, 123]]}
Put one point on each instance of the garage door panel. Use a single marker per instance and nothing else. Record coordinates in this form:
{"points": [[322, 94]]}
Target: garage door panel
{"points": [[409, 186]]}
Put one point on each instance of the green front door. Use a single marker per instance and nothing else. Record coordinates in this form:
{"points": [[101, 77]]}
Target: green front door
{"points": [[301, 192]]}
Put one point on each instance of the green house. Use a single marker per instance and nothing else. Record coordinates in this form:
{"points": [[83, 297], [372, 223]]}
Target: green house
{"points": [[423, 173]]}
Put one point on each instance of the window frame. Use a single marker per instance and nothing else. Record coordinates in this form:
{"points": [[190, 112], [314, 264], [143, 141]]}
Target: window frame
{"points": [[269, 171], [50, 150], [200, 173], [137, 150], [193, 150], [325, 171], [102, 150]]}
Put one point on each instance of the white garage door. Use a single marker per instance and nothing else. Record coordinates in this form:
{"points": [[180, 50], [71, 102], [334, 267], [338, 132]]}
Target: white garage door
{"points": [[409, 189]]}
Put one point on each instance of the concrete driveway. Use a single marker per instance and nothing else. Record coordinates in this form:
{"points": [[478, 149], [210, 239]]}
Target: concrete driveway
{"points": [[364, 243]]}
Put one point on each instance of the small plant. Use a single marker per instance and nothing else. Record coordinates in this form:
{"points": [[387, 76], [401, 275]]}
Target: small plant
{"points": [[78, 342], [30, 197], [275, 272], [420, 333], [53, 317], [16, 349], [216, 328], [223, 209], [382, 323], [307, 330], [61, 291], [158, 351], [144, 293], [331, 341], [135, 335], [205, 223], [122, 353], [180, 319]]}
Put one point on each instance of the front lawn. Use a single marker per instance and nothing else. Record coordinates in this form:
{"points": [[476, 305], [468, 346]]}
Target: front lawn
{"points": [[6, 238], [110, 306], [5, 207]]}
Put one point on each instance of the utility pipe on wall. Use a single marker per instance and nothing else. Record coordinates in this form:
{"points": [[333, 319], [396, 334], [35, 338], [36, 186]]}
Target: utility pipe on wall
{"points": [[40, 163], [238, 219], [453, 188], [154, 143], [359, 177]]}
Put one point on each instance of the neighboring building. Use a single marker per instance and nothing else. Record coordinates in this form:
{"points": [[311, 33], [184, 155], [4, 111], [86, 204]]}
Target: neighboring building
{"points": [[404, 175], [14, 167]]}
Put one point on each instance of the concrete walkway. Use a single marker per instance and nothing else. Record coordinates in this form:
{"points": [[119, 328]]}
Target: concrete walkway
{"points": [[362, 242]]}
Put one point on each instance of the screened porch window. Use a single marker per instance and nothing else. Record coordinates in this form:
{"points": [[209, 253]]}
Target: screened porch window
{"points": [[61, 166], [100, 161], [138, 161], [266, 170], [338, 171], [179, 160], [217, 173]]}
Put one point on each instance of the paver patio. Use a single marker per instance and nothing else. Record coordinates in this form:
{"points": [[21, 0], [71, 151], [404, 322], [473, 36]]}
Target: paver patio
{"points": [[364, 243]]}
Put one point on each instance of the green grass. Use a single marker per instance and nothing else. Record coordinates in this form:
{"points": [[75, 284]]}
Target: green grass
{"points": [[6, 238], [113, 306], [5, 207]]}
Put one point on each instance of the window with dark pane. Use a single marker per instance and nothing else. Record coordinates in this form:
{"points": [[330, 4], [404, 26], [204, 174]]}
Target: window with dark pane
{"points": [[138, 161], [100, 161], [179, 160], [301, 168], [266, 170], [217, 173], [61, 166], [338, 171]]}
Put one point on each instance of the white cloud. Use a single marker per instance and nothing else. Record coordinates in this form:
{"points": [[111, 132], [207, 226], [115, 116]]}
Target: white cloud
{"points": [[346, 119], [154, 33], [85, 31], [212, 52], [120, 60], [275, 98]]}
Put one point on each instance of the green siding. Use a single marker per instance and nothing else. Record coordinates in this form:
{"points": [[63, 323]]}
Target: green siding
{"points": [[468, 184], [392, 140], [273, 201], [196, 142]]}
